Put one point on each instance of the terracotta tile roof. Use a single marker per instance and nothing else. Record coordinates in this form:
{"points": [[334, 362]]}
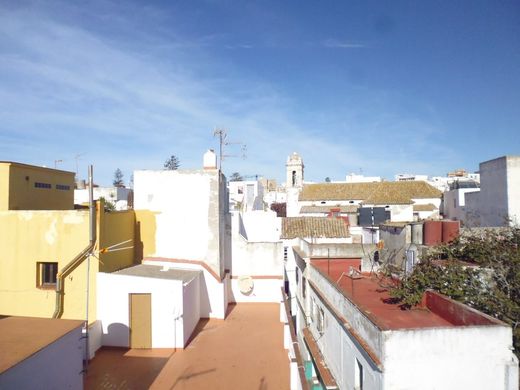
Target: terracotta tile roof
{"points": [[424, 207], [388, 192], [293, 227], [326, 209]]}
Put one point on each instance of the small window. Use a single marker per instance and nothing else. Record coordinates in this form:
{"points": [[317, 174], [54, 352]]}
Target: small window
{"points": [[62, 187], [42, 185], [285, 253], [47, 273], [304, 287]]}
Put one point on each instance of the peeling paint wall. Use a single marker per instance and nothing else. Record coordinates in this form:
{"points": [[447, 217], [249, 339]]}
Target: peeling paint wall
{"points": [[29, 237]]}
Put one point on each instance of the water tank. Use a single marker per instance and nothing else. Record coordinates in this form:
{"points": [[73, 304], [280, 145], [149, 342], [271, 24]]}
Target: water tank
{"points": [[210, 160], [450, 230], [432, 232], [417, 233]]}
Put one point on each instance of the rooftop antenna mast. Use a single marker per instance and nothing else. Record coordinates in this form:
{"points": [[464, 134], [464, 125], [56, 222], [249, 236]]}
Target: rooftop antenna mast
{"points": [[77, 157], [223, 142]]}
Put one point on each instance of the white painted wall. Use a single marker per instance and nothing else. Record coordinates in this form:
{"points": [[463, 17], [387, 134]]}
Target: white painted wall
{"points": [[190, 315], [57, 366], [111, 194], [212, 292], [259, 226], [172, 320], [493, 198], [455, 203], [264, 290], [191, 208], [513, 188], [464, 357]]}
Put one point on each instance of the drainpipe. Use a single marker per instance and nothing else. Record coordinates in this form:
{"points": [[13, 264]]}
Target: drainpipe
{"points": [[71, 266]]}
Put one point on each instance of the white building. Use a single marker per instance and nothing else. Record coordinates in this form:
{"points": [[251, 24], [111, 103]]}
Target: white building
{"points": [[351, 336], [353, 178], [410, 177], [184, 236], [498, 202], [454, 202], [120, 197], [246, 195], [165, 301]]}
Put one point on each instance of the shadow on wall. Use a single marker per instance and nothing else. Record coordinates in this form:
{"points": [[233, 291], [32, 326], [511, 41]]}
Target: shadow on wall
{"points": [[117, 335], [145, 229], [123, 368]]}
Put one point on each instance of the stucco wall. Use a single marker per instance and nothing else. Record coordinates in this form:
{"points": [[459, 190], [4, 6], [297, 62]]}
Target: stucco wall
{"points": [[29, 237], [169, 312], [57, 366], [470, 357], [212, 291], [181, 215]]}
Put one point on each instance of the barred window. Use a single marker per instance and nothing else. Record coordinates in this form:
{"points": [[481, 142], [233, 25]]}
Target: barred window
{"points": [[42, 185]]}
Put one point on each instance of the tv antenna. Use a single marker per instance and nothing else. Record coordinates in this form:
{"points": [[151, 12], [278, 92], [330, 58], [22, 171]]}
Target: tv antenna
{"points": [[223, 142], [77, 158]]}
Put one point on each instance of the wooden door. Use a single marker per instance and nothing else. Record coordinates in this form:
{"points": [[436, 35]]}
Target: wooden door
{"points": [[140, 321]]}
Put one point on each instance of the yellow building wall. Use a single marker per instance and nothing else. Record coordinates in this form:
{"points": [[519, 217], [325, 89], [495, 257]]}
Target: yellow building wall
{"points": [[116, 227], [4, 186], [145, 228], [29, 237], [23, 195]]}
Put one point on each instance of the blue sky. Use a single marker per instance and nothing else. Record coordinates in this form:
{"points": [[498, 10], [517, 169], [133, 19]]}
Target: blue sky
{"points": [[353, 86]]}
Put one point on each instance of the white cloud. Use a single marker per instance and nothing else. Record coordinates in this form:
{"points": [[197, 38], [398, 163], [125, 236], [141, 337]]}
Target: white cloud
{"points": [[131, 102]]}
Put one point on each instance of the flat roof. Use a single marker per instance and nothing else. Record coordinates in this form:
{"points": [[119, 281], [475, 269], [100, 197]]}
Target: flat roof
{"points": [[371, 296], [35, 167], [160, 272], [22, 337]]}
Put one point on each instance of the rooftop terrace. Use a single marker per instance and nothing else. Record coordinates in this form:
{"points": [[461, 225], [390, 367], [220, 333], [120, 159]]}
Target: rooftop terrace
{"points": [[244, 351], [370, 295]]}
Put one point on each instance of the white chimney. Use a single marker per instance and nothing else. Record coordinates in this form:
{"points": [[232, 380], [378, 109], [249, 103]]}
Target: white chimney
{"points": [[210, 160]]}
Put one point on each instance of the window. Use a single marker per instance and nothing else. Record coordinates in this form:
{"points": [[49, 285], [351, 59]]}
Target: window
{"points": [[285, 253], [320, 322], [62, 187], [47, 273], [304, 287], [42, 185], [293, 178]]}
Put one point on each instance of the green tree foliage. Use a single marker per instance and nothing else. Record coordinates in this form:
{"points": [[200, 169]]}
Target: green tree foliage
{"points": [[235, 176], [491, 285], [327, 179], [118, 178], [172, 163]]}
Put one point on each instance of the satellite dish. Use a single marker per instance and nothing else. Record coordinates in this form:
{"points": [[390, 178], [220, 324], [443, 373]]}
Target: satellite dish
{"points": [[246, 284]]}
